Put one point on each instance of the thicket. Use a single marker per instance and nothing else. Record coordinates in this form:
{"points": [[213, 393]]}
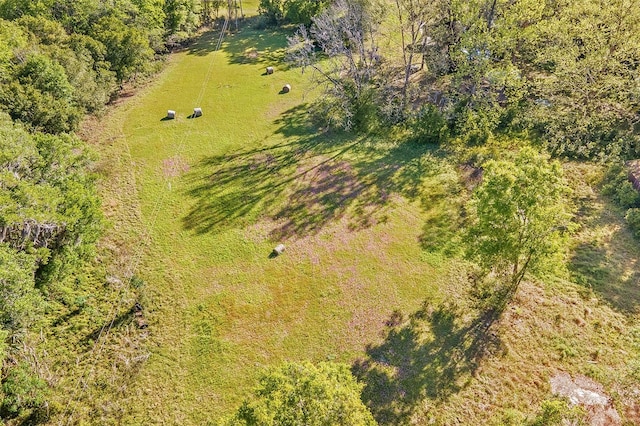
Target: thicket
{"points": [[563, 72], [60, 59], [50, 219]]}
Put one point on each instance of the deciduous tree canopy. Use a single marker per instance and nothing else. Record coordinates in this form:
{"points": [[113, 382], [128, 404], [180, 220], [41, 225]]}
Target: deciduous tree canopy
{"points": [[306, 394], [519, 215]]}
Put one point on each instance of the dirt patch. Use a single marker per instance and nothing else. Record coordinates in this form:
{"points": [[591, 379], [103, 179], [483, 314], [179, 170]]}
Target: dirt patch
{"points": [[590, 395], [633, 413], [174, 167]]}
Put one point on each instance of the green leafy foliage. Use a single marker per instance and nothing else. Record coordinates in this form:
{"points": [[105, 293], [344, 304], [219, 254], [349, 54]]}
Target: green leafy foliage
{"points": [[558, 412], [519, 215], [20, 302], [127, 48], [619, 188], [183, 18], [633, 220], [49, 199], [291, 11], [295, 394], [23, 390]]}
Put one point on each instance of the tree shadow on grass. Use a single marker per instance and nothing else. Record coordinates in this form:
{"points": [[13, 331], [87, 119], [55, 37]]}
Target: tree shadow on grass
{"points": [[206, 43], [616, 280], [251, 46], [607, 259], [305, 183], [431, 356], [123, 318], [234, 189], [359, 189]]}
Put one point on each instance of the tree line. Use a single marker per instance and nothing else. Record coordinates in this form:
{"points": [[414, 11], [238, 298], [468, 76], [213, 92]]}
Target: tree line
{"points": [[59, 60]]}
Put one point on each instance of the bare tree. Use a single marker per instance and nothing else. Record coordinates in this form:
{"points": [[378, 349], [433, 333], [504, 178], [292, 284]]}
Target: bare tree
{"points": [[412, 17], [340, 46]]}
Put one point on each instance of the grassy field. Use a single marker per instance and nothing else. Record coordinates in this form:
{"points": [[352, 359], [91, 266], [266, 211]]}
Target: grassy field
{"points": [[217, 193], [369, 276]]}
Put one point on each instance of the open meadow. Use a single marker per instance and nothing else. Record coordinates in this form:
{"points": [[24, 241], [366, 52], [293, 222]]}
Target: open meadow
{"points": [[371, 274]]}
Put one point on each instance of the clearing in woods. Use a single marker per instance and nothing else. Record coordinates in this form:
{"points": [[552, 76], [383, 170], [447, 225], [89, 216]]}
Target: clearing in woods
{"points": [[204, 201]]}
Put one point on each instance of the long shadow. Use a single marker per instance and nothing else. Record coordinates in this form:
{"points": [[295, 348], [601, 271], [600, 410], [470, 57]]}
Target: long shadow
{"points": [[120, 320], [431, 356], [206, 43], [234, 189], [306, 183], [359, 190]]}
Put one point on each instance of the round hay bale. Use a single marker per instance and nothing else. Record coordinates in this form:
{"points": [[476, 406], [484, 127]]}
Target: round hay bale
{"points": [[279, 249], [197, 112], [269, 70], [171, 114], [286, 88]]}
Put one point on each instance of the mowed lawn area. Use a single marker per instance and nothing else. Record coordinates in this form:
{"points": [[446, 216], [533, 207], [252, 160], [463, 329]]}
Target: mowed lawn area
{"points": [[370, 275], [218, 192]]}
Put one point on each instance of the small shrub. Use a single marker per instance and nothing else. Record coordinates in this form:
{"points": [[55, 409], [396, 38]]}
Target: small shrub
{"points": [[429, 126], [558, 412], [508, 417], [627, 196], [564, 349], [619, 188], [23, 390], [633, 220], [136, 282]]}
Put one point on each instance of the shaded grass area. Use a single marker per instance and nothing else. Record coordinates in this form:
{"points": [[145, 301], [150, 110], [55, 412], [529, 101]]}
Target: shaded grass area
{"points": [[323, 177], [432, 355], [605, 255]]}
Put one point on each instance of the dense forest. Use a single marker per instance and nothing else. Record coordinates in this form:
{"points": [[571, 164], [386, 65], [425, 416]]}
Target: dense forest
{"points": [[560, 75]]}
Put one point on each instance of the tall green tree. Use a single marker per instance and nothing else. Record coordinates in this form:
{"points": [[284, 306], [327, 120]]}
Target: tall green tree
{"points": [[519, 215], [49, 206], [305, 394], [291, 11], [182, 17]]}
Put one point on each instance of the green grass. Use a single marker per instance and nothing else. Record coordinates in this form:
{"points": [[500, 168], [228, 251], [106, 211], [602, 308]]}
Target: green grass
{"points": [[217, 193], [369, 275]]}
